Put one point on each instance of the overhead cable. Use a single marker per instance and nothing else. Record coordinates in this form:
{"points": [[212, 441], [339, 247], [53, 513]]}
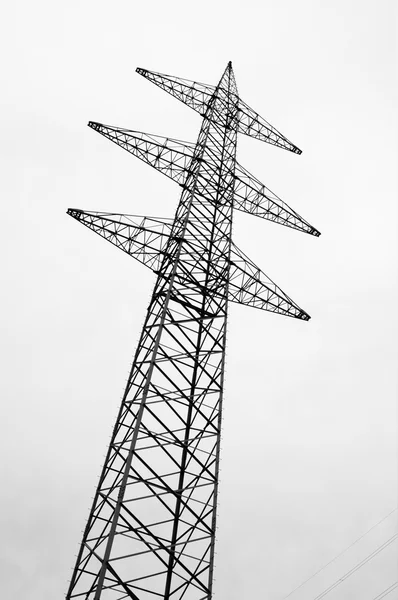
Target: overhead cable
{"points": [[357, 567], [341, 553], [387, 591]]}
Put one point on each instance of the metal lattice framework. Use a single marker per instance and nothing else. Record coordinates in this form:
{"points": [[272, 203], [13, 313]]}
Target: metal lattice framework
{"points": [[151, 529]]}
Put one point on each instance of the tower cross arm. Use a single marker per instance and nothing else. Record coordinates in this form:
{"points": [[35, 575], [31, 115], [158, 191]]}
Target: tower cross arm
{"points": [[192, 93], [197, 96], [253, 197], [173, 158], [143, 238], [250, 286], [250, 123], [170, 157]]}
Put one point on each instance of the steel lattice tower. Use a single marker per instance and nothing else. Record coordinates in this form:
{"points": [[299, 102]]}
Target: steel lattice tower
{"points": [[151, 529]]}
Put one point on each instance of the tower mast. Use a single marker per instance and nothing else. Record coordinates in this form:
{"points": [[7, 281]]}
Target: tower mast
{"points": [[151, 529]]}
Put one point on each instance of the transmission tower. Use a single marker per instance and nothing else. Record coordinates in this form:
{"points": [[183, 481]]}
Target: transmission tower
{"points": [[151, 529]]}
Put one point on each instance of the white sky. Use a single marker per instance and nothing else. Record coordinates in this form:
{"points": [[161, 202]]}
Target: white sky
{"points": [[309, 442]]}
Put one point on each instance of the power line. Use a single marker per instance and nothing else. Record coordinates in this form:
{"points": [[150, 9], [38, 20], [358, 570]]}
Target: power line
{"points": [[341, 553], [357, 567], [387, 591]]}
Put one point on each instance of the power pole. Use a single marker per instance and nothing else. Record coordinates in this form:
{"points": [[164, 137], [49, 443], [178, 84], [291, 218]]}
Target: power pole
{"points": [[151, 529]]}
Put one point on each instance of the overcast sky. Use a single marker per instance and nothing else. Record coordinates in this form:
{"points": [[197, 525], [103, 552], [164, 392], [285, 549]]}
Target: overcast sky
{"points": [[309, 439]]}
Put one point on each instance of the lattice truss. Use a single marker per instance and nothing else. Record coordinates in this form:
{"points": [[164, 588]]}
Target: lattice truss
{"points": [[151, 528]]}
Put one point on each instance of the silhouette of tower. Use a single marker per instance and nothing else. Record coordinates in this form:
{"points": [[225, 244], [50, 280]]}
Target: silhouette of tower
{"points": [[151, 529]]}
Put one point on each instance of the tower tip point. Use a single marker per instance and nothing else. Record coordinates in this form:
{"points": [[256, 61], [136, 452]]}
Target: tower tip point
{"points": [[94, 125]]}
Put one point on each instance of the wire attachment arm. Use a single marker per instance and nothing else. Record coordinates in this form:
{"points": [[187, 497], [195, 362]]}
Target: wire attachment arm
{"points": [[170, 157], [255, 198], [143, 238], [197, 96], [250, 286], [251, 124], [192, 93]]}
